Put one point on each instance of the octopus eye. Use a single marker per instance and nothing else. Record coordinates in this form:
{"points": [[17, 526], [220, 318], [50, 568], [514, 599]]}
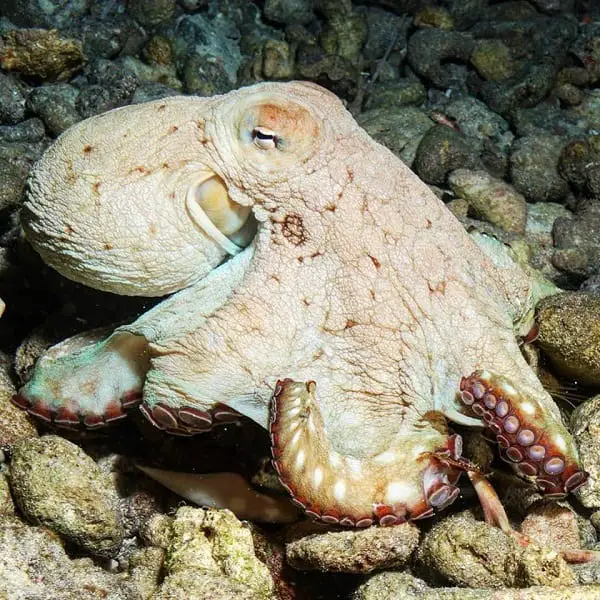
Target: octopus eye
{"points": [[264, 138]]}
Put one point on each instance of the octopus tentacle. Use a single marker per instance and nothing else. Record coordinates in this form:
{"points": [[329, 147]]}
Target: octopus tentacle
{"points": [[337, 488], [82, 382], [537, 445], [188, 420]]}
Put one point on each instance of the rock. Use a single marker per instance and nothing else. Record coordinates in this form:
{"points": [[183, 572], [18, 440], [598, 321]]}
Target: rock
{"points": [[146, 92], [7, 506], [493, 60], [44, 13], [545, 119], [525, 90], [533, 168], [15, 424], [107, 37], [12, 183], [211, 552], [145, 566], [538, 233], [403, 586], [434, 16], [154, 73], [475, 120], [471, 553], [344, 35], [569, 334], [56, 484], [25, 574], [151, 12], [393, 94], [207, 53], [552, 524], [577, 241], [112, 85], [56, 106], [585, 426], [384, 28], [432, 52], [490, 199], [401, 129], [40, 53], [31, 130], [576, 159], [289, 12], [568, 94], [391, 585], [12, 101], [441, 151], [354, 551], [330, 70]]}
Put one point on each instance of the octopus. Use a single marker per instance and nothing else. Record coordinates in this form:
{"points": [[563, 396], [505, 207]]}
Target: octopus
{"points": [[314, 285]]}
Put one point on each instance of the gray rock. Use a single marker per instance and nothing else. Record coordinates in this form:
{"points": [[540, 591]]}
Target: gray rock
{"points": [[106, 37], [12, 101], [31, 130], [209, 44], [383, 29], [44, 13], [392, 94], [401, 130], [34, 565], [471, 553], [288, 12], [148, 91], [441, 151], [534, 168], [431, 53], [577, 241], [12, 183], [112, 85], [56, 106], [475, 120], [585, 425], [354, 551], [525, 90], [56, 484]]}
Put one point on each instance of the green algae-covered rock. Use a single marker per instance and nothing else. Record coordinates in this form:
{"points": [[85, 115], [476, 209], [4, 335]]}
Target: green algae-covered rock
{"points": [[56, 484]]}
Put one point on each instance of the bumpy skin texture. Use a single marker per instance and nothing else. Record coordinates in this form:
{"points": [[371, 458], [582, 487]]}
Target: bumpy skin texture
{"points": [[360, 317]]}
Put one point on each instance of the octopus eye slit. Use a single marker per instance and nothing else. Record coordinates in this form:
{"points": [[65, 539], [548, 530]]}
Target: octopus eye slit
{"points": [[265, 138]]}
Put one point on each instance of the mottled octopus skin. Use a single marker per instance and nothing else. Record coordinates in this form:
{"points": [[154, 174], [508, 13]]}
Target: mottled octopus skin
{"points": [[358, 320]]}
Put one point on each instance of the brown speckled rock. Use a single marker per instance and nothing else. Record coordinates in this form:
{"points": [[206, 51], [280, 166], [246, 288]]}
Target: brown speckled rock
{"points": [[15, 425], [471, 553], [354, 550], [553, 525], [585, 425], [391, 585], [56, 484], [491, 199], [569, 334]]}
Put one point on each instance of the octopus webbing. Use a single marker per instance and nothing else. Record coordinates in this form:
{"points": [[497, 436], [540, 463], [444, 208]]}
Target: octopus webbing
{"points": [[318, 288]]}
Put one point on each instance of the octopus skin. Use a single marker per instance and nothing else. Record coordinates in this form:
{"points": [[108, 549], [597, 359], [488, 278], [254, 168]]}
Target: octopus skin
{"points": [[318, 288]]}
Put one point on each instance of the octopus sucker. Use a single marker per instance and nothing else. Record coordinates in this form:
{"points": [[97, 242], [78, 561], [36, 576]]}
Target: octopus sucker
{"points": [[537, 446], [230, 213]]}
